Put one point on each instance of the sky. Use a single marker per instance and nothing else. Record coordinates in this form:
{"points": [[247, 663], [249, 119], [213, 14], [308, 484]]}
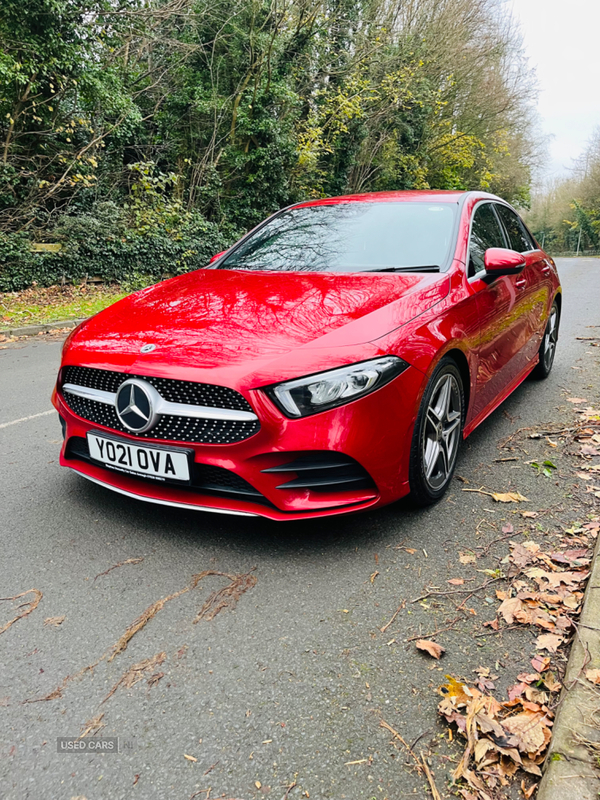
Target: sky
{"points": [[562, 42]]}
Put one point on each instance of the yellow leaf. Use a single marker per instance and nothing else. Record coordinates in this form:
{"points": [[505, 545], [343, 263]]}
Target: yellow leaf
{"points": [[509, 497], [189, 758]]}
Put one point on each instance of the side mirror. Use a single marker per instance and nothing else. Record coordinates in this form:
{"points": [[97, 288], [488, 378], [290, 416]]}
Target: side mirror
{"points": [[214, 258], [500, 261]]}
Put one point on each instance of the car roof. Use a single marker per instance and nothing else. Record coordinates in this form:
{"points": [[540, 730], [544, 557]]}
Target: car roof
{"points": [[412, 195]]}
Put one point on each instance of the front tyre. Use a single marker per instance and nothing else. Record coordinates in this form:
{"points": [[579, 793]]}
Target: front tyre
{"points": [[548, 345], [437, 434]]}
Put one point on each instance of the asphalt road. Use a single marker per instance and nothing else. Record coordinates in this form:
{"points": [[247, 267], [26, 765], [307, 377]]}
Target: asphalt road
{"points": [[291, 684]]}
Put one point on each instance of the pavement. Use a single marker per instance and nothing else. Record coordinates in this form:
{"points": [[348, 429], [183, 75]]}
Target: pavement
{"points": [[287, 688], [46, 327]]}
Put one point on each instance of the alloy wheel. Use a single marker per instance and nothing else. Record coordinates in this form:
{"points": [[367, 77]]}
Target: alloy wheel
{"points": [[441, 432], [550, 339]]}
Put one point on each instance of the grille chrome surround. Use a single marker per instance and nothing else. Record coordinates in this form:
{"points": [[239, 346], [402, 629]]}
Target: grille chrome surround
{"points": [[189, 412]]}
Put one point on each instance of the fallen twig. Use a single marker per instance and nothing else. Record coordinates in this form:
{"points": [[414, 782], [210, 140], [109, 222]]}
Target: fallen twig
{"points": [[434, 633], [396, 735], [394, 615], [500, 630], [467, 589], [288, 790], [429, 776]]}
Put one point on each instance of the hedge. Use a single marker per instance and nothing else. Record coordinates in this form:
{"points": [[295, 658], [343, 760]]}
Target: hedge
{"points": [[93, 249]]}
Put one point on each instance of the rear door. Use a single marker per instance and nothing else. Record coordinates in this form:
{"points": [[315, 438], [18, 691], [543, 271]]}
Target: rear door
{"points": [[537, 273], [502, 308]]}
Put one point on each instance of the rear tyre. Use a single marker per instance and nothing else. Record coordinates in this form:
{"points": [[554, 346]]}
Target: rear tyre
{"points": [[548, 345], [437, 434]]}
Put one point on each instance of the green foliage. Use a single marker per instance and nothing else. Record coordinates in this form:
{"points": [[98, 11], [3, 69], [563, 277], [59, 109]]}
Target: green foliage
{"points": [[144, 136]]}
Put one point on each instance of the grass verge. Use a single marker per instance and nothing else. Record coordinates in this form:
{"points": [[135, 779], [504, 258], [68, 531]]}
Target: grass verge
{"points": [[39, 305]]}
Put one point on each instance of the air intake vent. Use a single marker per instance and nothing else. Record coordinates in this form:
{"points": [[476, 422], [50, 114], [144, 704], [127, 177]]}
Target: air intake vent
{"points": [[324, 472]]}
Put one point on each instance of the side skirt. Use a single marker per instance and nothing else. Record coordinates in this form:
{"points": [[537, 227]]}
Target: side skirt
{"points": [[494, 405]]}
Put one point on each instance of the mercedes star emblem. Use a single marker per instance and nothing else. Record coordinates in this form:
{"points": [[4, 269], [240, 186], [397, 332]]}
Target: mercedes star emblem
{"points": [[136, 404]]}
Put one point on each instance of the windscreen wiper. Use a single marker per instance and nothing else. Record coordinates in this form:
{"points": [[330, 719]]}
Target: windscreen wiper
{"points": [[428, 268]]}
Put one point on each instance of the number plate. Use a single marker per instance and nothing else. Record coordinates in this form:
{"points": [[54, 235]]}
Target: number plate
{"points": [[159, 463]]}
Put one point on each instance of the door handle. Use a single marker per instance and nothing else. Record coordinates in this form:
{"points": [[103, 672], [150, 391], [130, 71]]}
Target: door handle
{"points": [[546, 268], [520, 283]]}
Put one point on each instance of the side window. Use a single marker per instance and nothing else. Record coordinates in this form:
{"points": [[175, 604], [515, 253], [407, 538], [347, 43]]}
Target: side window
{"points": [[485, 232], [518, 237]]}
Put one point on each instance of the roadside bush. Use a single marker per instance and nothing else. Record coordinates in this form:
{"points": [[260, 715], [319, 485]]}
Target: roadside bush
{"points": [[104, 244]]}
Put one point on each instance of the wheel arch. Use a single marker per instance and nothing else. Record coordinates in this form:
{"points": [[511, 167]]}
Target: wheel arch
{"points": [[558, 300], [462, 365]]}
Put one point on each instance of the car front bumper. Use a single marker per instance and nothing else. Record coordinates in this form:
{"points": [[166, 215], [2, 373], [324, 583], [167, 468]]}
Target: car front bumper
{"points": [[371, 435]]}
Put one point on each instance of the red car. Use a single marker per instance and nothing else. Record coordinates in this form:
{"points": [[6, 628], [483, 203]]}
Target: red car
{"points": [[330, 361]]}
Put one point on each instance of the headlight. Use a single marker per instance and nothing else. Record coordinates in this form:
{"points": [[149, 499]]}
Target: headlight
{"points": [[304, 396]]}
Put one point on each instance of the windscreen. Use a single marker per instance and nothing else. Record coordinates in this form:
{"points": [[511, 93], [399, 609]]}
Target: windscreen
{"points": [[350, 237]]}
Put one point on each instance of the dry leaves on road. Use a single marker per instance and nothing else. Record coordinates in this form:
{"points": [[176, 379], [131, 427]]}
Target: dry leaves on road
{"points": [[54, 621], [92, 726], [435, 650], [28, 606], [136, 672], [120, 564], [502, 737], [553, 592]]}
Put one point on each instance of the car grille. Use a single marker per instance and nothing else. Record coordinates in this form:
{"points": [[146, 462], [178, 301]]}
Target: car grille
{"points": [[171, 428], [204, 478]]}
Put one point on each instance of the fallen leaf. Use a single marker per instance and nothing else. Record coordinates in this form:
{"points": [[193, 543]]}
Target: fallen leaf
{"points": [[492, 623], [373, 576], [516, 690], [509, 497], [435, 650], [527, 793], [529, 729], [190, 758], [467, 558], [258, 784], [593, 675], [540, 664], [456, 581], [509, 607], [576, 400], [530, 514], [549, 641]]}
